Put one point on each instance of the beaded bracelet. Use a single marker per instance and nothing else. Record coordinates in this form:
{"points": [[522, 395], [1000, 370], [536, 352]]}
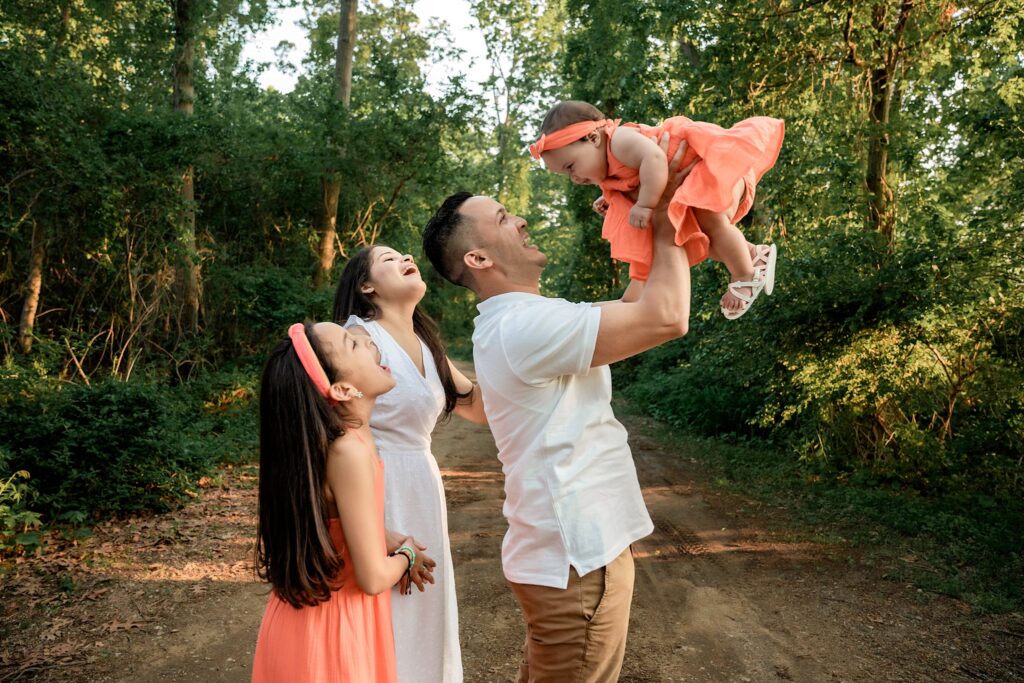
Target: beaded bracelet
{"points": [[410, 556]]}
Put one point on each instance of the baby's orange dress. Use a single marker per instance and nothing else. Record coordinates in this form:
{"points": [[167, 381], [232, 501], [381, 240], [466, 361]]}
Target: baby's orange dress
{"points": [[744, 152], [347, 638]]}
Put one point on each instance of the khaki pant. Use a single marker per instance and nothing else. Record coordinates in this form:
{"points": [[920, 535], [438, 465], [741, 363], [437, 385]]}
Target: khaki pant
{"points": [[577, 634]]}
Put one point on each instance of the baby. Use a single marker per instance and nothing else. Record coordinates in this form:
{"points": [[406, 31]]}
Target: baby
{"points": [[578, 141]]}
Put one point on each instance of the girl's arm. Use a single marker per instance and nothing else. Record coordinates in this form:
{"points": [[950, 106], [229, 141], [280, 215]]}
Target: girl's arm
{"points": [[472, 407], [351, 476], [637, 151]]}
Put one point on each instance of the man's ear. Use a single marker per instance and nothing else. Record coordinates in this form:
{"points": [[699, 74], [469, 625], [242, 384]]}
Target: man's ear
{"points": [[343, 391], [477, 259]]}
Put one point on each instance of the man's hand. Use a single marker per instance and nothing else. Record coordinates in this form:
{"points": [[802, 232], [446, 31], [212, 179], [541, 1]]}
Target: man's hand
{"points": [[676, 174]]}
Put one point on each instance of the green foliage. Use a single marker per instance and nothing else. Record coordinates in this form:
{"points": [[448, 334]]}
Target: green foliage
{"points": [[888, 364], [17, 523], [106, 448], [116, 447], [897, 359]]}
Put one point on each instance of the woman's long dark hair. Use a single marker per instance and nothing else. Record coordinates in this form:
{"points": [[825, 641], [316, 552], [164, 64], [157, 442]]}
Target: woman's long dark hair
{"points": [[294, 550], [350, 300]]}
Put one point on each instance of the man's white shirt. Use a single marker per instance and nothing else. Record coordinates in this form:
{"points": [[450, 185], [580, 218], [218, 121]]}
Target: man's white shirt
{"points": [[571, 492]]}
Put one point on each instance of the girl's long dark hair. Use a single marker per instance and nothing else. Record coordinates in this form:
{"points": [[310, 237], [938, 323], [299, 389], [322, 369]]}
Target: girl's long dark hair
{"points": [[294, 550], [350, 300]]}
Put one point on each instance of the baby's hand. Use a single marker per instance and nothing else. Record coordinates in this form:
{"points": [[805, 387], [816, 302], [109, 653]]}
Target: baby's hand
{"points": [[640, 216], [600, 205]]}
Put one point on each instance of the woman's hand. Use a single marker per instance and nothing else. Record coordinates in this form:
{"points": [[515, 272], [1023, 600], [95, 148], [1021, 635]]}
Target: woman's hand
{"points": [[394, 539]]}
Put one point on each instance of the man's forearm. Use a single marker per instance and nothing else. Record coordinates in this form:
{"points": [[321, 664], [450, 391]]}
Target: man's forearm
{"points": [[667, 293], [633, 291]]}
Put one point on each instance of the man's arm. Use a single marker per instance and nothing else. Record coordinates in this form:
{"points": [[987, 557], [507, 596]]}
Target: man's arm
{"points": [[632, 293], [662, 311]]}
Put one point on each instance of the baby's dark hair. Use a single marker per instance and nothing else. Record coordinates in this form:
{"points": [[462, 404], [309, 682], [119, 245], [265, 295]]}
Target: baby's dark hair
{"points": [[567, 113]]}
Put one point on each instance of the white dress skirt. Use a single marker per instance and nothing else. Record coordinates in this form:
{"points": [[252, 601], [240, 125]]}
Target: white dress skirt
{"points": [[426, 625]]}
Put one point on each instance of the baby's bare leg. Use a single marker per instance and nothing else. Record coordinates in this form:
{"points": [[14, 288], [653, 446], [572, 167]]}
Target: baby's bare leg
{"points": [[715, 256], [728, 245]]}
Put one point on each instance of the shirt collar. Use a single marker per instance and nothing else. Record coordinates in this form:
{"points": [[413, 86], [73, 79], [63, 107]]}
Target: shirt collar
{"points": [[499, 301]]}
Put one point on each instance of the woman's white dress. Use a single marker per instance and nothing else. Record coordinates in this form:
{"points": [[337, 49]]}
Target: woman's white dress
{"points": [[426, 624]]}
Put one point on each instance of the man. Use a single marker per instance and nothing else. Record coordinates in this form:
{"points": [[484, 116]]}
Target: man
{"points": [[572, 499]]}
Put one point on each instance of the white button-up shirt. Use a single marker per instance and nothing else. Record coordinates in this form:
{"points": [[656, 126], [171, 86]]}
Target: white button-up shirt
{"points": [[571, 493]]}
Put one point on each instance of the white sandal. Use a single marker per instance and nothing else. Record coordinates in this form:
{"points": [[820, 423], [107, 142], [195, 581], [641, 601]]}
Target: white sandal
{"points": [[756, 285], [765, 260]]}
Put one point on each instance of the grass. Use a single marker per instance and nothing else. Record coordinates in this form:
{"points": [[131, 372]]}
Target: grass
{"points": [[967, 547]]}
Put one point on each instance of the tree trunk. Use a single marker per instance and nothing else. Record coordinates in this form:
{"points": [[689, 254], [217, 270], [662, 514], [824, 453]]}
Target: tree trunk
{"points": [[331, 183], [882, 205], [329, 226], [35, 286], [880, 210], [188, 273], [346, 47]]}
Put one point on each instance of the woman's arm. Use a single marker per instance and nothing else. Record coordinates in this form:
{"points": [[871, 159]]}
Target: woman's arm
{"points": [[472, 407], [351, 477]]}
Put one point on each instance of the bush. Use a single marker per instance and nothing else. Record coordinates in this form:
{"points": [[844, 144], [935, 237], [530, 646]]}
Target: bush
{"points": [[887, 367], [249, 305], [18, 524], [105, 448]]}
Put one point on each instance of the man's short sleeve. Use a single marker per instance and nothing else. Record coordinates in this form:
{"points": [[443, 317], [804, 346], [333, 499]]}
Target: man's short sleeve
{"points": [[550, 339]]}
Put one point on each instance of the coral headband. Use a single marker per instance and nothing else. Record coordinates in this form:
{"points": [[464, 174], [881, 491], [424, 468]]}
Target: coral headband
{"points": [[303, 349], [568, 135]]}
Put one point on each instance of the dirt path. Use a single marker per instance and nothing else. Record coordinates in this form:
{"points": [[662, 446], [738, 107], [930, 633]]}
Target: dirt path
{"points": [[718, 598]]}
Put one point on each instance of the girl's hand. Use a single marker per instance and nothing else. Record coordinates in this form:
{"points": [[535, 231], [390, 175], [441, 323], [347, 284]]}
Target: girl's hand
{"points": [[422, 571], [640, 216], [419, 570], [600, 206]]}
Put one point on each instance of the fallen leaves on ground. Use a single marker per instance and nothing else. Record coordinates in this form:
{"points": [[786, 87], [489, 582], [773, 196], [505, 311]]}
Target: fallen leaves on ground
{"points": [[80, 599]]}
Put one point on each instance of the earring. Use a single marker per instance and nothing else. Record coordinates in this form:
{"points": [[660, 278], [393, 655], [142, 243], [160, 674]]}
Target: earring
{"points": [[358, 394]]}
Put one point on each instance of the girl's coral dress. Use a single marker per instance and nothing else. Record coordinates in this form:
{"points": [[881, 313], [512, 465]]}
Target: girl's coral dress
{"points": [[744, 152], [347, 638]]}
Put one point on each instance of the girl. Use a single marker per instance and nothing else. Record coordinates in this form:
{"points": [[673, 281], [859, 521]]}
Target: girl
{"points": [[379, 292], [578, 141], [321, 538]]}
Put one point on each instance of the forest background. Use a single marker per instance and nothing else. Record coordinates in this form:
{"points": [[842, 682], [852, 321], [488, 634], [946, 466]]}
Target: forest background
{"points": [[165, 217]]}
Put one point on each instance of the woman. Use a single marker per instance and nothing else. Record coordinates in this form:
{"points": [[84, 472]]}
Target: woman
{"points": [[379, 292]]}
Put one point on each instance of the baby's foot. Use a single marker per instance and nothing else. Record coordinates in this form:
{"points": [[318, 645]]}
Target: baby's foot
{"points": [[732, 303], [741, 294]]}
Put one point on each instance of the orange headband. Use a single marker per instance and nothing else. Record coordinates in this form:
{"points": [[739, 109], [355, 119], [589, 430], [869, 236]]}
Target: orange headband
{"points": [[568, 135], [303, 349]]}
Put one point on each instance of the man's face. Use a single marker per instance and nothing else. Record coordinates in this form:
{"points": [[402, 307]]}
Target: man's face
{"points": [[504, 238]]}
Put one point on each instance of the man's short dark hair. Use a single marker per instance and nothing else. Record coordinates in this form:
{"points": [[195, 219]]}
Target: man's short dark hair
{"points": [[442, 242]]}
